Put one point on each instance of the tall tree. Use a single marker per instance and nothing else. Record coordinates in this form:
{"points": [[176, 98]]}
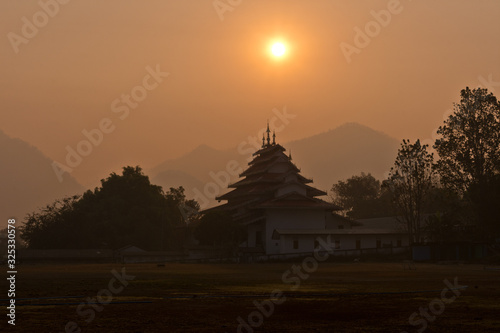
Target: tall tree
{"points": [[410, 181], [469, 156], [469, 147], [450, 216]]}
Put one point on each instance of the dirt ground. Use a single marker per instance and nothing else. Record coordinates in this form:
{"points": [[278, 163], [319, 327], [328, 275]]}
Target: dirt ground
{"points": [[329, 297]]}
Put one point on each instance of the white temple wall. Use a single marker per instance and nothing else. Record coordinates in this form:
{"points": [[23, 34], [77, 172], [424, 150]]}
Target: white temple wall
{"points": [[290, 219]]}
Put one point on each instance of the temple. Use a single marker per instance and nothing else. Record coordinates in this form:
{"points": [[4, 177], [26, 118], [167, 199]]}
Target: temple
{"points": [[278, 206]]}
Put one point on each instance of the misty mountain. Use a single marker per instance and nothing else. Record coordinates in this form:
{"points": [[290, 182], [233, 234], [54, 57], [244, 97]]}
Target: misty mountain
{"points": [[327, 157], [202, 173], [176, 178], [27, 180], [343, 152], [198, 162]]}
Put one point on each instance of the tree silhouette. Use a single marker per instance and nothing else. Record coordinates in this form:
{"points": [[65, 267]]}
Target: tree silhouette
{"points": [[410, 181], [469, 147], [53, 224], [469, 156], [362, 197], [126, 210]]}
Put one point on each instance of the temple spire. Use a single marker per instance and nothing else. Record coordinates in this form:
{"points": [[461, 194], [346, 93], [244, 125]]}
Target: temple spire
{"points": [[263, 141], [274, 138], [268, 137]]}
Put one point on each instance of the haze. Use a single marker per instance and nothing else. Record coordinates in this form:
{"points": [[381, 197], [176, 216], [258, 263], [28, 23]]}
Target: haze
{"points": [[223, 84]]}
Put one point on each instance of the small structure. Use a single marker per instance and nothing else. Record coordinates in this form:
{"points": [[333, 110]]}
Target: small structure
{"points": [[381, 232]]}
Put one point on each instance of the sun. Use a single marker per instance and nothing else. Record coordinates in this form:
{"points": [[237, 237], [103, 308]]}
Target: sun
{"points": [[278, 49]]}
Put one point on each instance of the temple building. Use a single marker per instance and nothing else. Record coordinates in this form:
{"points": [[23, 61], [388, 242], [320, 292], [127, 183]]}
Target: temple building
{"points": [[278, 206]]}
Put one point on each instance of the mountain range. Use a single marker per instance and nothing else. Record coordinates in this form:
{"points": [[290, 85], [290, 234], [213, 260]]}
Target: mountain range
{"points": [[28, 180], [326, 158]]}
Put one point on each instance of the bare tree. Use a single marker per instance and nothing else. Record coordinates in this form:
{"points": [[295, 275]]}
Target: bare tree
{"points": [[410, 180]]}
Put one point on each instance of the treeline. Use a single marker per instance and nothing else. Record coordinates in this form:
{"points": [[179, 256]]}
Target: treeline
{"points": [[125, 210], [128, 210], [454, 195]]}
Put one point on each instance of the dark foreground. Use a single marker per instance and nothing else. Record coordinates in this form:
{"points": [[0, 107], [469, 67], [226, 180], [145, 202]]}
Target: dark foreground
{"points": [[332, 297]]}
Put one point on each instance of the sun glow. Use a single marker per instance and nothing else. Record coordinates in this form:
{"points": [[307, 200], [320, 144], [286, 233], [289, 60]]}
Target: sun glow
{"points": [[278, 49]]}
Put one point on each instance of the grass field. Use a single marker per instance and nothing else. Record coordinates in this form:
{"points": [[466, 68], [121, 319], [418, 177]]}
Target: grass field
{"points": [[335, 297]]}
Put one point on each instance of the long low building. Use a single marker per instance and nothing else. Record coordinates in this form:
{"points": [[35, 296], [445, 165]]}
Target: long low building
{"points": [[304, 240]]}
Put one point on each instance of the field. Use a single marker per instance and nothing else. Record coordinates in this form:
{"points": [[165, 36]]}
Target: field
{"points": [[332, 297]]}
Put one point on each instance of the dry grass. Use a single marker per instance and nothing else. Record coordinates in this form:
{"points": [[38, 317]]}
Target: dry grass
{"points": [[207, 307]]}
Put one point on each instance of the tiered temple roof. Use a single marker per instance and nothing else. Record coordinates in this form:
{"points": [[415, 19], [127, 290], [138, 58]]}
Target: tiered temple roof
{"points": [[272, 180]]}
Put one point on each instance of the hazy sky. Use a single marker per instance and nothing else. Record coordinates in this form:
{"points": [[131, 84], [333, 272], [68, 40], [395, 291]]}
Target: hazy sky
{"points": [[73, 71]]}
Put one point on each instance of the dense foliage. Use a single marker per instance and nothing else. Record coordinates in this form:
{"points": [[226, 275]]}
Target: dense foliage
{"points": [[457, 197], [362, 197], [469, 146], [469, 158], [126, 210]]}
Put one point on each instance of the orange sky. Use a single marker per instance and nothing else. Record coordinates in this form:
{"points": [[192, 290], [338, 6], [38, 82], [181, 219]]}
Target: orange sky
{"points": [[222, 84]]}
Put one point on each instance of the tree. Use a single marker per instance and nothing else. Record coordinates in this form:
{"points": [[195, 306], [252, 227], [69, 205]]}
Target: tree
{"points": [[126, 209], [219, 229], [469, 147], [449, 216], [469, 156], [181, 213], [361, 197], [181, 209], [410, 181], [51, 225], [484, 198]]}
